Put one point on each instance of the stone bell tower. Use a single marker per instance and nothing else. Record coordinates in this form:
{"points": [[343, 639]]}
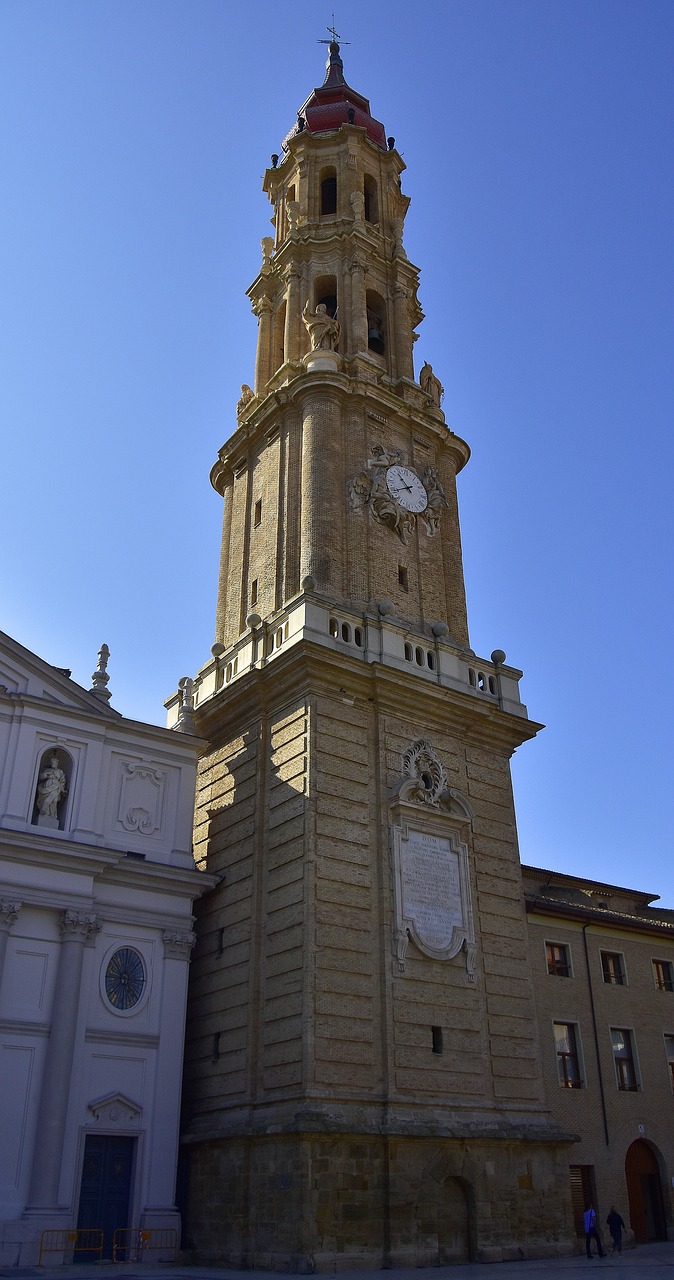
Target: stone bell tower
{"points": [[363, 1080]]}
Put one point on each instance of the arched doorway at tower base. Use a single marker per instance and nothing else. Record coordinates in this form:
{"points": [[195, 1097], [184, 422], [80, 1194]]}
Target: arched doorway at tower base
{"points": [[445, 1217], [644, 1191]]}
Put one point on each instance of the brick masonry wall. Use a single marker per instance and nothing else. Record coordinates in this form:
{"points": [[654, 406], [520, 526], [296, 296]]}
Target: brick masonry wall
{"points": [[639, 1006], [300, 473]]}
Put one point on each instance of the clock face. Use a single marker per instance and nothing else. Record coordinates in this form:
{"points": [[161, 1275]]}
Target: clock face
{"points": [[405, 486]]}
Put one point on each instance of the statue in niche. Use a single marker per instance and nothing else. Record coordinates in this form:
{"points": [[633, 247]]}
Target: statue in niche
{"points": [[431, 385], [322, 328], [51, 789], [245, 398]]}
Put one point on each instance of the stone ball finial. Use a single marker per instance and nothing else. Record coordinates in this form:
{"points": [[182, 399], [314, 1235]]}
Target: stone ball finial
{"points": [[386, 608], [309, 583], [253, 620], [498, 657], [217, 649], [440, 629]]}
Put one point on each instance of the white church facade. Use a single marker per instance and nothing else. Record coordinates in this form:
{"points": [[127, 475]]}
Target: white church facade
{"points": [[97, 883]]}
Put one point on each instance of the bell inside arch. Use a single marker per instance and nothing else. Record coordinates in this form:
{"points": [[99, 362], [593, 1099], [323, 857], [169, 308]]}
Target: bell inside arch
{"points": [[375, 336]]}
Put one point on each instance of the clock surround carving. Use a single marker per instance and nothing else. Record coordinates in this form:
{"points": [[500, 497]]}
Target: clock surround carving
{"points": [[396, 494]]}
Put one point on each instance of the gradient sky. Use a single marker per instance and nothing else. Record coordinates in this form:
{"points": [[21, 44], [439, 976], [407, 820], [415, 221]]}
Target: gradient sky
{"points": [[538, 139]]}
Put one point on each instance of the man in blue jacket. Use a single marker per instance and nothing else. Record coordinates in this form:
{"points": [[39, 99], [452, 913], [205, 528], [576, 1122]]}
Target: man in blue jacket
{"points": [[590, 1224]]}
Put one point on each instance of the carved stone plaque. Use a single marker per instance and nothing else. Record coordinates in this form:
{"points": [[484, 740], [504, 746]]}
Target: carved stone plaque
{"points": [[431, 892], [431, 888]]}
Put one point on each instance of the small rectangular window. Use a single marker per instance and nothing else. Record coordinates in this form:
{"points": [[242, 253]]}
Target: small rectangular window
{"points": [[257, 519], [613, 968], [253, 591], [624, 1059], [436, 1033], [402, 577], [669, 1050], [663, 976], [568, 1059], [558, 959]]}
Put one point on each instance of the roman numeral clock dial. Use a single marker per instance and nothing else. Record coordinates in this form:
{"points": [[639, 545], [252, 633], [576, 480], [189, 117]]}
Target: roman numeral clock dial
{"points": [[405, 486]]}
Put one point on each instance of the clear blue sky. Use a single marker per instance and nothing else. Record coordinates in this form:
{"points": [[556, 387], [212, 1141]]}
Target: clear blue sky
{"points": [[538, 139]]}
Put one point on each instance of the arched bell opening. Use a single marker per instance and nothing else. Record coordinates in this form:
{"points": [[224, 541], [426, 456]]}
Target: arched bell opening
{"points": [[325, 292], [376, 323], [328, 181], [371, 207]]}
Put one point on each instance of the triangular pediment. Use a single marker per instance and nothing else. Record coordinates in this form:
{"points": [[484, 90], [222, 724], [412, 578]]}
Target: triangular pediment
{"points": [[116, 1108], [25, 674]]}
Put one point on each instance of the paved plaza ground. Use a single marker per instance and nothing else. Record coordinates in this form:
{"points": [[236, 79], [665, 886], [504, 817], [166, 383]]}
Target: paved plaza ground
{"points": [[644, 1262]]}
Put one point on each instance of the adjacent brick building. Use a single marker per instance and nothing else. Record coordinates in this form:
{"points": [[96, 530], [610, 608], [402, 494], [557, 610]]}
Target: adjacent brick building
{"points": [[602, 961]]}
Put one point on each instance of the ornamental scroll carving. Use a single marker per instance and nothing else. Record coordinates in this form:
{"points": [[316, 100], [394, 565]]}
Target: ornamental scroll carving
{"points": [[432, 903], [141, 798]]}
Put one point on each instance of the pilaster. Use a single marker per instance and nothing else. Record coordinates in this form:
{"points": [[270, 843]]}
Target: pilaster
{"points": [[77, 928]]}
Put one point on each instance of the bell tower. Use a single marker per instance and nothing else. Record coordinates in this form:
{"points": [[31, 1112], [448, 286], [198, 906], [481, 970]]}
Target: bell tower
{"points": [[363, 1081]]}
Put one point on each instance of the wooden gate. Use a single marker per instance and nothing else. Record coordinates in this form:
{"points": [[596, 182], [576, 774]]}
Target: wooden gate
{"points": [[647, 1214]]}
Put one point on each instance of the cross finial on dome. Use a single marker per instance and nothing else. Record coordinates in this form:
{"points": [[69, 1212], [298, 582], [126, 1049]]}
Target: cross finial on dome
{"points": [[334, 67], [335, 36]]}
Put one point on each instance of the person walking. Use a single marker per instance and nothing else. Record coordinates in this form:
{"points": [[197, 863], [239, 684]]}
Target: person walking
{"points": [[590, 1224], [616, 1226]]}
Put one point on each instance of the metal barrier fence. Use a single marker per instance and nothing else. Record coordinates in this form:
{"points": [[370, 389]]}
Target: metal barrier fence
{"points": [[129, 1244], [85, 1240]]}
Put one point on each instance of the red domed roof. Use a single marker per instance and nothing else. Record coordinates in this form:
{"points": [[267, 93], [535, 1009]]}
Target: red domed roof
{"points": [[335, 104]]}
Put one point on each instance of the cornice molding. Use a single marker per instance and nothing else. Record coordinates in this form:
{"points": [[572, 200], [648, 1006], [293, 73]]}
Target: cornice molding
{"points": [[307, 669]]}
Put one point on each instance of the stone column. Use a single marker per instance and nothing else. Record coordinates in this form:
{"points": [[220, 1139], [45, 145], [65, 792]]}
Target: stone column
{"points": [[358, 306], [291, 338], [322, 497], [403, 332], [223, 577], [263, 310], [76, 927], [9, 912]]}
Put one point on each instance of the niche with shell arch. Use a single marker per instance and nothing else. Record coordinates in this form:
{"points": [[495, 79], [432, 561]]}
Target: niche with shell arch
{"points": [[51, 791]]}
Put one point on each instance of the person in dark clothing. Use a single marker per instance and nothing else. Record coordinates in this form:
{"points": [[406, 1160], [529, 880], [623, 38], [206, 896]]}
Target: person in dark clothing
{"points": [[616, 1226], [591, 1233]]}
